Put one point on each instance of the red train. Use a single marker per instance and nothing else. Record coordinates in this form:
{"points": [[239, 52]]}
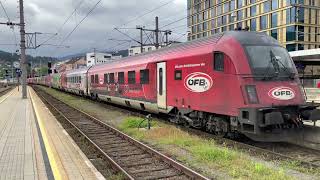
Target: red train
{"points": [[232, 82]]}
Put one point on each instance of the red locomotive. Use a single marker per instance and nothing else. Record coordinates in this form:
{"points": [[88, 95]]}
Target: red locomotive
{"points": [[242, 82]]}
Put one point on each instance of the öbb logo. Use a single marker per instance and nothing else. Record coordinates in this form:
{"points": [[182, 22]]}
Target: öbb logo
{"points": [[282, 93], [198, 82]]}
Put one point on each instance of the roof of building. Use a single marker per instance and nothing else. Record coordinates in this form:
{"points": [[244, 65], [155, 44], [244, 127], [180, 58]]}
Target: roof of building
{"points": [[306, 55], [74, 60]]}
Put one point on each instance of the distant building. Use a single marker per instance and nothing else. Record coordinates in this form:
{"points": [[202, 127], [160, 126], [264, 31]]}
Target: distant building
{"points": [[74, 63], [99, 58], [294, 23], [121, 53], [134, 50]]}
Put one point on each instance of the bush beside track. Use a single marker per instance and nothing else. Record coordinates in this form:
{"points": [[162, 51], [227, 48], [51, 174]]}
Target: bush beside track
{"points": [[202, 154]]}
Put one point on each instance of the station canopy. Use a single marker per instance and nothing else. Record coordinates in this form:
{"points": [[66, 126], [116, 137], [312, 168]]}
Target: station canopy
{"points": [[306, 57], [307, 63]]}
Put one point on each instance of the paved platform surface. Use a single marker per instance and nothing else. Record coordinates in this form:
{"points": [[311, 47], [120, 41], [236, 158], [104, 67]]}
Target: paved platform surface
{"points": [[67, 160], [33, 145], [17, 153]]}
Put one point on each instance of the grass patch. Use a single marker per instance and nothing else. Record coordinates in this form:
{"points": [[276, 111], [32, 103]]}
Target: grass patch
{"points": [[234, 164], [136, 122], [295, 165]]}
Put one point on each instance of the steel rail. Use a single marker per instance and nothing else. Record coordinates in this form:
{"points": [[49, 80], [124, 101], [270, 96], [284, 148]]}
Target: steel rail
{"points": [[174, 164], [233, 143]]}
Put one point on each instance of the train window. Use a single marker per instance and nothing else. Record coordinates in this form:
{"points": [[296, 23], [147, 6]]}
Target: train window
{"points": [[105, 78], [111, 78], [121, 77], [96, 79], [92, 79], [178, 75], [218, 61], [131, 77], [144, 76], [79, 79]]}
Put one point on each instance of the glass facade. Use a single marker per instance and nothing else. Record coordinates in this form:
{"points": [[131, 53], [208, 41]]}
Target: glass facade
{"points": [[274, 20], [294, 23], [253, 24], [274, 33], [263, 22], [291, 33]]}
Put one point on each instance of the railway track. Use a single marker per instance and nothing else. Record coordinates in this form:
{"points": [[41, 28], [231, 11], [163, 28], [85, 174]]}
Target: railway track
{"points": [[305, 156], [134, 159], [4, 91], [301, 156]]}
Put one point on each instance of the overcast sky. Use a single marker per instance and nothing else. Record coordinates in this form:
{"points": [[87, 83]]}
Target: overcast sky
{"points": [[48, 16]]}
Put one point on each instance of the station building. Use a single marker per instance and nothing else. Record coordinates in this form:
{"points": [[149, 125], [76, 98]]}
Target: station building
{"points": [[294, 23]]}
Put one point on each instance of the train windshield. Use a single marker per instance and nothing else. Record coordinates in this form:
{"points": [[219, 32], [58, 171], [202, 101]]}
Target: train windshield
{"points": [[269, 62]]}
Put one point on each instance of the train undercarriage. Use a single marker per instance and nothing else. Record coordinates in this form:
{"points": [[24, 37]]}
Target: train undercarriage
{"points": [[273, 124]]}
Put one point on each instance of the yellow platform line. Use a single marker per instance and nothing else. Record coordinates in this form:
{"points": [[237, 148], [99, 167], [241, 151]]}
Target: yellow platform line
{"points": [[9, 94], [53, 162]]}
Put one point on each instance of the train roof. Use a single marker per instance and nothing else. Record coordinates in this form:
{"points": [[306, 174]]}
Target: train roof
{"points": [[77, 71], [187, 49]]}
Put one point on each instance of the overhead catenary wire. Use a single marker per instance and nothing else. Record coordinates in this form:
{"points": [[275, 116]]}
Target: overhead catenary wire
{"points": [[9, 20], [148, 12], [140, 16], [73, 30], [63, 24], [69, 17], [5, 12]]}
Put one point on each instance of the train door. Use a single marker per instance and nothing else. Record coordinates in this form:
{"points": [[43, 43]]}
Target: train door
{"points": [[161, 85]]}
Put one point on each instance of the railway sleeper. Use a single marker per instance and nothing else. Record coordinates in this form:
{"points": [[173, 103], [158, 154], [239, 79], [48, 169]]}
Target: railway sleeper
{"points": [[143, 169], [167, 173], [100, 137], [132, 153], [106, 140], [119, 145], [97, 132], [113, 139], [100, 134], [122, 150], [136, 163]]}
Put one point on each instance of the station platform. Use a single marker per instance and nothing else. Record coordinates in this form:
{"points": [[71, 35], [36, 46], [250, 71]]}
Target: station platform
{"points": [[33, 145]]}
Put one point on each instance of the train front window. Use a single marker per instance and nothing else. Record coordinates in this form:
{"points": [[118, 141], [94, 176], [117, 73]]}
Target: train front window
{"points": [[268, 62]]}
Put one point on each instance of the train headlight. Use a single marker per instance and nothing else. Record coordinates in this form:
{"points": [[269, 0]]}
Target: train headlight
{"points": [[252, 94]]}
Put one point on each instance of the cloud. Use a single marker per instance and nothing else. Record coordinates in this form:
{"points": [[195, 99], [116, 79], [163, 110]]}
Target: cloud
{"points": [[47, 16]]}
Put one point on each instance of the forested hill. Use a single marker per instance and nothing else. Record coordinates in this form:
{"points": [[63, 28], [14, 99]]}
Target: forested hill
{"points": [[6, 57]]}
